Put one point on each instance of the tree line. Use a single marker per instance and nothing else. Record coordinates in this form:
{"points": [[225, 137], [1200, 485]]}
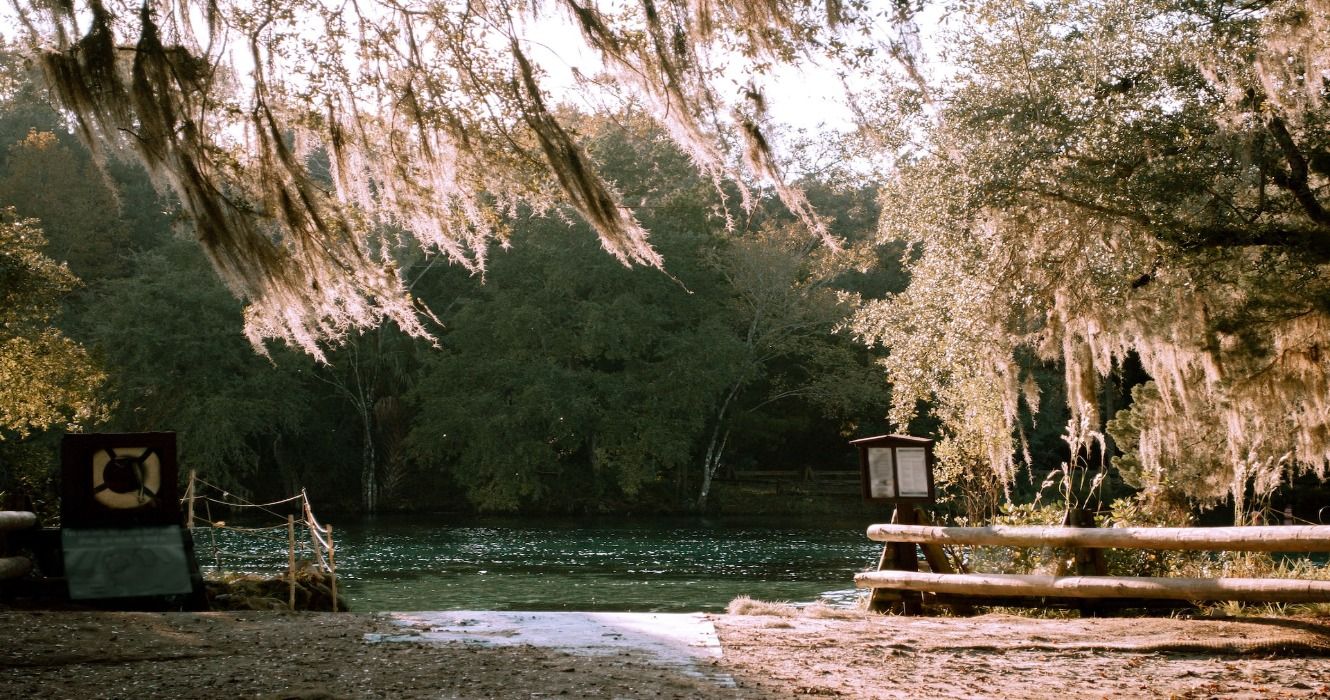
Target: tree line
{"points": [[1104, 220], [562, 381]]}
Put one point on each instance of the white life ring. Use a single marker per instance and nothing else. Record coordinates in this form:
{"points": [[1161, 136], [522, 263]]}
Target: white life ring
{"points": [[126, 477]]}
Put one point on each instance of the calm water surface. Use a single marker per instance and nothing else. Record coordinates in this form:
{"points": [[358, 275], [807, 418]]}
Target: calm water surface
{"points": [[676, 565]]}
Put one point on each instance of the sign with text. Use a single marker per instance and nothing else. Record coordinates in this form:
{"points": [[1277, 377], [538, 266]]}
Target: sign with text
{"points": [[126, 562], [896, 468]]}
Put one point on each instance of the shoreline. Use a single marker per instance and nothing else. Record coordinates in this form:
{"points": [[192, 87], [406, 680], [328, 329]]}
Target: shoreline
{"points": [[791, 653]]}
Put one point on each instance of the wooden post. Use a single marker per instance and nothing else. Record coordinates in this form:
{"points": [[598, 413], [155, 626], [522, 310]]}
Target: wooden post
{"points": [[1087, 561], [212, 535], [937, 562], [898, 556], [189, 497], [313, 526], [291, 557], [332, 568]]}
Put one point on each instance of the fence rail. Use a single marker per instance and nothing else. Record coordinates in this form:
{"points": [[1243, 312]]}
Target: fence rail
{"points": [[894, 579], [1254, 538]]}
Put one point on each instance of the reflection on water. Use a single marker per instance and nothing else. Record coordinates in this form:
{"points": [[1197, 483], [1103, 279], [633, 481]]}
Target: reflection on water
{"points": [[422, 563]]}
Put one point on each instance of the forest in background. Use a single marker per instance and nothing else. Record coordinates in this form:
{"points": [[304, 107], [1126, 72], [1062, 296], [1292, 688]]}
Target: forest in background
{"points": [[562, 381], [1093, 254]]}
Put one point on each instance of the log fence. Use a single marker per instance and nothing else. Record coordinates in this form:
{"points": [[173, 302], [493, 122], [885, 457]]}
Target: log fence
{"points": [[15, 566], [898, 584]]}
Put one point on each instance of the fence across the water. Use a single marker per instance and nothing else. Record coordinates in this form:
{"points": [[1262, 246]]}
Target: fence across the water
{"points": [[314, 547]]}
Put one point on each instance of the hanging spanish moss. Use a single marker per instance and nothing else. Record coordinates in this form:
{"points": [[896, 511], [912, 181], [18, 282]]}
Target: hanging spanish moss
{"points": [[1152, 193], [432, 118]]}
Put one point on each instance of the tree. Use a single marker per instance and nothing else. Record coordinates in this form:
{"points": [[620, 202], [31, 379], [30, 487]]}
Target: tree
{"points": [[568, 381], [784, 310], [167, 336], [434, 117], [1102, 183], [558, 391], [46, 379], [45, 179]]}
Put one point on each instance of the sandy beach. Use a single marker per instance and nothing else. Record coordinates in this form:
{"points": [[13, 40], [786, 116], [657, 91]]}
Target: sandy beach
{"points": [[89, 655]]}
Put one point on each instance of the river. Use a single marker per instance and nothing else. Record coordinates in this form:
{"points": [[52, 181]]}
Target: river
{"points": [[643, 565]]}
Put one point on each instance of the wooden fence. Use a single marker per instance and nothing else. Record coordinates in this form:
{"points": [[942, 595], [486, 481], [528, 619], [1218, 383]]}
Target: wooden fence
{"points": [[12, 520], [895, 579], [321, 545]]}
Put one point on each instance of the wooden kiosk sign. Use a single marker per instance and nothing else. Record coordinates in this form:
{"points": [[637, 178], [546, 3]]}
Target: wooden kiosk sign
{"points": [[898, 470], [121, 533]]}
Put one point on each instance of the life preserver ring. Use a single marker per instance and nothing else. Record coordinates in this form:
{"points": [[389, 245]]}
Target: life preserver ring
{"points": [[124, 478]]}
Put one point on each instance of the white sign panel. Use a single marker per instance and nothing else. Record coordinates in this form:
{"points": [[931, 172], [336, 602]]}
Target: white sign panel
{"points": [[912, 472], [127, 562], [881, 483]]}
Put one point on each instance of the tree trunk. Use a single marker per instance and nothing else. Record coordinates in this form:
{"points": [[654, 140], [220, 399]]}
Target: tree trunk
{"points": [[710, 466], [369, 482], [715, 448]]}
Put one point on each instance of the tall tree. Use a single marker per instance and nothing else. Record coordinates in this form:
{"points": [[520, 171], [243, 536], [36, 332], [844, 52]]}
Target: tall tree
{"points": [[48, 180], [1106, 182], [570, 381], [46, 379]]}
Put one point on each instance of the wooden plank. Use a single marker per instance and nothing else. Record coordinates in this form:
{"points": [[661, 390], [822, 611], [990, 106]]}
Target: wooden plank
{"points": [[939, 564], [954, 599], [17, 519], [1277, 538], [933, 553], [1194, 589]]}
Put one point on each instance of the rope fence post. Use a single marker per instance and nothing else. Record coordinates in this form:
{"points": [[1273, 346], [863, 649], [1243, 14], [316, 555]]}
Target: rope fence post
{"points": [[320, 537], [212, 535], [313, 526], [291, 557], [189, 497], [332, 568]]}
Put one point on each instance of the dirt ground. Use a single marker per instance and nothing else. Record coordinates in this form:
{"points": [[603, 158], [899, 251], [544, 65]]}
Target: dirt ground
{"points": [[87, 655]]}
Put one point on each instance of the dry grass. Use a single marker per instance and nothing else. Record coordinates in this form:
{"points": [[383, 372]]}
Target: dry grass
{"points": [[743, 605]]}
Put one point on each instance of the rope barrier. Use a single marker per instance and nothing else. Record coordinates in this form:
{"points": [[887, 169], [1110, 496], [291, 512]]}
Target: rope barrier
{"points": [[319, 544]]}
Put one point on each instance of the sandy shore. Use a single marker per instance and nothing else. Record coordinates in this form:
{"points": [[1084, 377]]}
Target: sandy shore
{"points": [[87, 655]]}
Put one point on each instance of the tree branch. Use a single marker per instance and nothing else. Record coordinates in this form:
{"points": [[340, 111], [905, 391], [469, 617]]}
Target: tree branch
{"points": [[1313, 243], [1296, 182]]}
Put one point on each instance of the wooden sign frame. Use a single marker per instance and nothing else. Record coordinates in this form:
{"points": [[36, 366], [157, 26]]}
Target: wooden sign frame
{"points": [[102, 457], [882, 477]]}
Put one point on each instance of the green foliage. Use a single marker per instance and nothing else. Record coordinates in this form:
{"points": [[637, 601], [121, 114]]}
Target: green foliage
{"points": [[46, 379], [168, 335], [1099, 184], [562, 381], [1023, 560], [617, 388], [47, 180], [572, 391]]}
